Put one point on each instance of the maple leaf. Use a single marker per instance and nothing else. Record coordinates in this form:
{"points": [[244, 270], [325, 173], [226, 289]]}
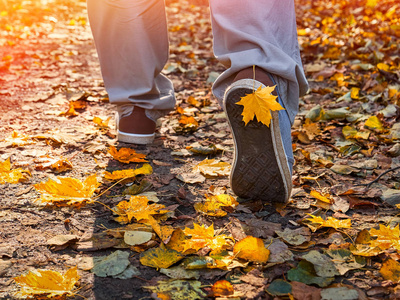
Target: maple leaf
{"points": [[188, 123], [321, 197], [130, 173], [204, 237], [12, 176], [126, 155], [386, 237], [137, 207], [17, 139], [163, 232], [212, 167], [390, 270], [47, 283], [67, 191], [58, 165], [160, 257], [318, 222], [100, 122], [213, 205], [259, 104]]}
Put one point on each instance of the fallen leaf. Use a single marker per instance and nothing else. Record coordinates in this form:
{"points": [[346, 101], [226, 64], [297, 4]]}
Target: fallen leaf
{"points": [[129, 173], [160, 257], [259, 104], [134, 238], [126, 155], [212, 167], [374, 123], [191, 177], [100, 122], [323, 265], [201, 237], [178, 289], [295, 237], [112, 265], [339, 293], [67, 191], [18, 139], [215, 204], [137, 207], [188, 123], [47, 283], [305, 273], [179, 272], [390, 270], [345, 261], [279, 287], [321, 197], [222, 288], [251, 249], [303, 291], [12, 176], [315, 223]]}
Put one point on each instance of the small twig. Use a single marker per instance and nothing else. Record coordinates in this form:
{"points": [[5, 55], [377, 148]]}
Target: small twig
{"points": [[368, 185]]}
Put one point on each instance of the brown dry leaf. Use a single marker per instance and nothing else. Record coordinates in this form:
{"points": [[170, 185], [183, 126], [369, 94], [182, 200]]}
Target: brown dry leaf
{"points": [[390, 270], [317, 222], [259, 104], [222, 288], [67, 191], [130, 173], [137, 208], [212, 167], [251, 249], [126, 155], [17, 139], [201, 237], [214, 204], [311, 129], [160, 257], [12, 176], [47, 283]]}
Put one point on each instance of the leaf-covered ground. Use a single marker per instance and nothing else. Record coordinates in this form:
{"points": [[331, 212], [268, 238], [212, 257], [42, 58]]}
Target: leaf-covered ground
{"points": [[338, 238]]}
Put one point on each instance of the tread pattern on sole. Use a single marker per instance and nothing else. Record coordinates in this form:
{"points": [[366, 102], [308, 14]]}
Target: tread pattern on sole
{"points": [[255, 173]]}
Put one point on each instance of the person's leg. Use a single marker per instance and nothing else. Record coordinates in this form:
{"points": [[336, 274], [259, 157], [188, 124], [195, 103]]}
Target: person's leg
{"points": [[261, 33], [131, 39]]}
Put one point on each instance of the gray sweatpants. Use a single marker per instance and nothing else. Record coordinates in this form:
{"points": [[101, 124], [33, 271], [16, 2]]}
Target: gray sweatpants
{"points": [[131, 38]]}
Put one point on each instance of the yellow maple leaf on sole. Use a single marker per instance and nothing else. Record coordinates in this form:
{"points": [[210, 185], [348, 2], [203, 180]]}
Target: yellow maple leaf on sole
{"points": [[259, 104], [47, 283]]}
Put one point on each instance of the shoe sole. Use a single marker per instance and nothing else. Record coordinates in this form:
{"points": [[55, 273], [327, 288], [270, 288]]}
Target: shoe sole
{"points": [[260, 167]]}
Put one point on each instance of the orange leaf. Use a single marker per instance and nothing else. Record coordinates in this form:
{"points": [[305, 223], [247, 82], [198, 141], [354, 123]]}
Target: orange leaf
{"points": [[259, 104], [130, 173], [100, 122], [324, 198], [222, 288], [204, 237], [67, 191], [17, 139], [390, 270], [137, 208], [12, 176], [177, 240], [47, 283], [188, 123], [163, 232], [126, 155], [251, 249]]}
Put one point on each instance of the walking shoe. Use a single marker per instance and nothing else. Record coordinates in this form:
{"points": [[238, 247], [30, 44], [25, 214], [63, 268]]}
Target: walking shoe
{"points": [[135, 125], [263, 159]]}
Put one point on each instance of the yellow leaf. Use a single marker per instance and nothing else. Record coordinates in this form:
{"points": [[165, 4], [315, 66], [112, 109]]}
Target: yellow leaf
{"points": [[324, 198], [100, 122], [212, 167], [365, 250], [382, 66], [126, 155], [390, 270], [251, 249], [177, 240], [192, 100], [163, 232], [318, 222], [352, 133], [47, 283], [374, 123], [12, 176], [67, 191], [201, 237], [17, 139], [386, 237], [355, 93], [130, 173], [222, 288], [160, 257], [137, 208], [259, 104], [212, 206], [188, 123]]}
